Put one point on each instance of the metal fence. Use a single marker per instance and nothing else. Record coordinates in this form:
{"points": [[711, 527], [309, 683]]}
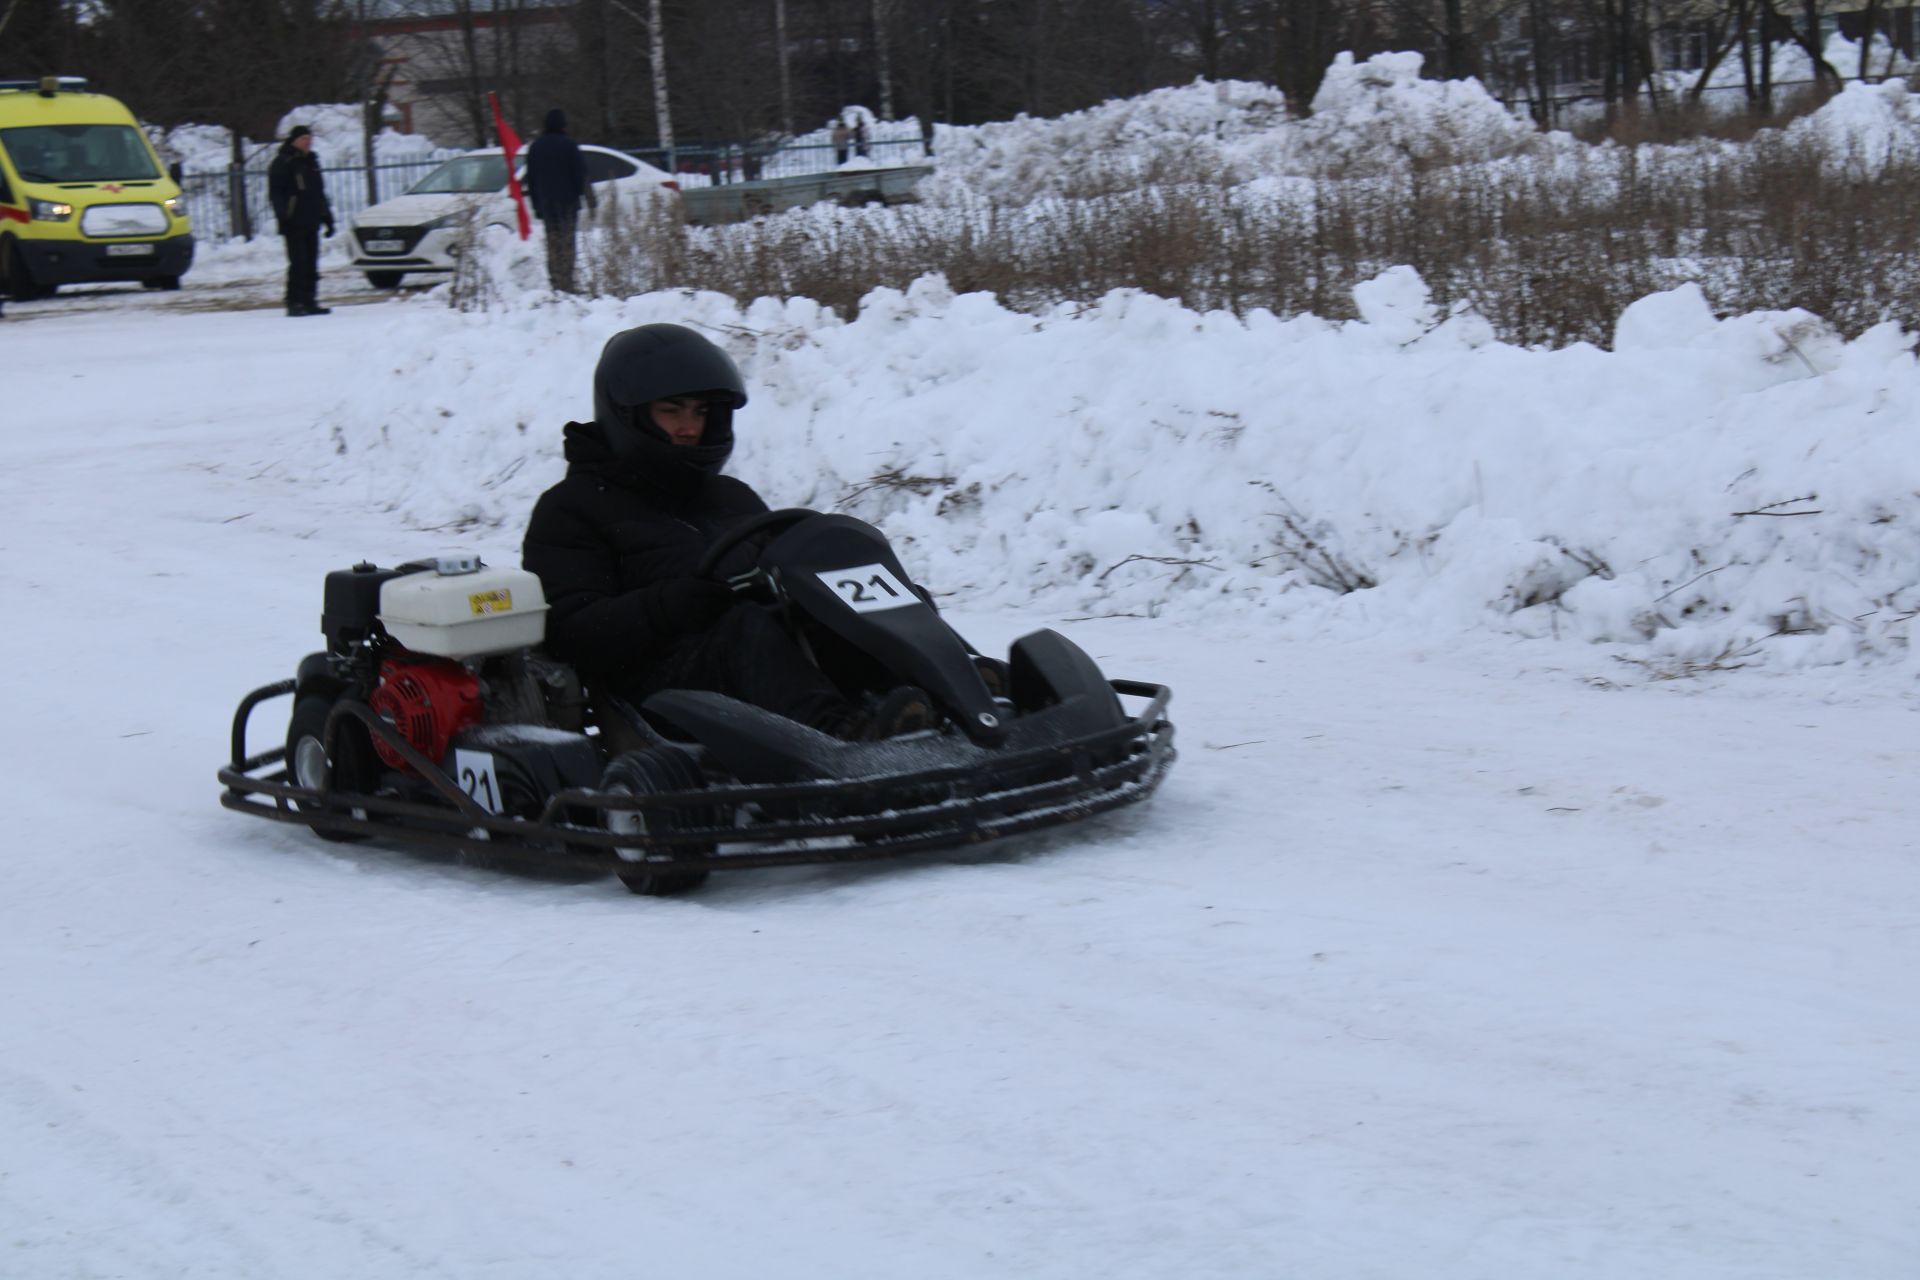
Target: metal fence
{"points": [[233, 202], [698, 164]]}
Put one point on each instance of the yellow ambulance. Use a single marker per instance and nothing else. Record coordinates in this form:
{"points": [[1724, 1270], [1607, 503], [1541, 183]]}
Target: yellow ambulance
{"points": [[83, 195]]}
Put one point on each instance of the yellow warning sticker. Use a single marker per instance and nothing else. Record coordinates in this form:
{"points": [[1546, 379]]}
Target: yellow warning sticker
{"points": [[486, 602]]}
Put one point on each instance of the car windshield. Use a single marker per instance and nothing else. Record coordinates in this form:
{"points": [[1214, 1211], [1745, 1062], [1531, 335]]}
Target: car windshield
{"points": [[464, 173], [79, 153]]}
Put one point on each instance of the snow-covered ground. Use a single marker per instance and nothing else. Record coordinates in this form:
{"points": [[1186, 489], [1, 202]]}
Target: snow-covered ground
{"points": [[1450, 949]]}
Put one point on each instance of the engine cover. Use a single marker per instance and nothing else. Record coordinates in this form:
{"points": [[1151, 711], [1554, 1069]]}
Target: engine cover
{"points": [[427, 700]]}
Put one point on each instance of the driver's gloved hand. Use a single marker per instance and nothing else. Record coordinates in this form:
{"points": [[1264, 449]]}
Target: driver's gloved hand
{"points": [[695, 603]]}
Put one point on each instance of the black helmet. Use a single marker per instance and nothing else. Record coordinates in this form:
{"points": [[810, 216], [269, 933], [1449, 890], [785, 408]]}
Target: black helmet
{"points": [[657, 362]]}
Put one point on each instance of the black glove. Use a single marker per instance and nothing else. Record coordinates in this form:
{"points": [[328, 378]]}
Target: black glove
{"points": [[694, 604], [329, 228]]}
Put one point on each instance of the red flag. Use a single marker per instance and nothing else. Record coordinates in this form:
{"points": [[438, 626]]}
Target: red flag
{"points": [[510, 143]]}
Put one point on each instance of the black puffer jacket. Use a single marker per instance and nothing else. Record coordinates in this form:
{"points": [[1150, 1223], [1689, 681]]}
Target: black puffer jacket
{"points": [[297, 191], [609, 537]]}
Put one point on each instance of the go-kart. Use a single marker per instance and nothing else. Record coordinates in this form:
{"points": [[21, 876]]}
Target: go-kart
{"points": [[434, 718]]}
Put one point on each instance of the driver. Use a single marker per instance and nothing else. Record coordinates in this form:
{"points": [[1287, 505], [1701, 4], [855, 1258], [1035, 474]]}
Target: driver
{"points": [[618, 542]]}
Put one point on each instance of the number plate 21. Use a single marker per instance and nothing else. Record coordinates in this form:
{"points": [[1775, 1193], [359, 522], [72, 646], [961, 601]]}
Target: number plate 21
{"points": [[869, 588]]}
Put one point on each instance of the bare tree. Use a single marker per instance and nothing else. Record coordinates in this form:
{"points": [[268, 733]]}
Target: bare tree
{"points": [[786, 71]]}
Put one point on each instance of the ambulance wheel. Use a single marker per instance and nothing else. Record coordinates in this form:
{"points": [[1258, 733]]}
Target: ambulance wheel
{"points": [[167, 284], [21, 285]]}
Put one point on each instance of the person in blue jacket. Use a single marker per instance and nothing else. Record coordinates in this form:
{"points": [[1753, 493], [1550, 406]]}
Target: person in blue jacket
{"points": [[556, 185]]}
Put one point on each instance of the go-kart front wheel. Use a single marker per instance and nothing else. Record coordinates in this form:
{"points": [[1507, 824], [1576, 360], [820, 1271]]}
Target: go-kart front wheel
{"points": [[646, 773], [350, 767]]}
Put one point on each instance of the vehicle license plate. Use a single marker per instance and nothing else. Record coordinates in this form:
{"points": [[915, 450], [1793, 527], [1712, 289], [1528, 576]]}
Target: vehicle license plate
{"points": [[386, 246], [129, 250]]}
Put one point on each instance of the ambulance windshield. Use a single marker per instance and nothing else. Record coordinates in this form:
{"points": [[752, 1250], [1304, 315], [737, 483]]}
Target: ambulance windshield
{"points": [[79, 153]]}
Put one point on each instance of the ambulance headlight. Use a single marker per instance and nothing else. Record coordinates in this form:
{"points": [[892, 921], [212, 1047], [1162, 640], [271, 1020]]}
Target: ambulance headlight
{"points": [[49, 210]]}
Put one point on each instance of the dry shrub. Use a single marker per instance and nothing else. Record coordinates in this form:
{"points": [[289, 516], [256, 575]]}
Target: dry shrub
{"points": [[1548, 248]]}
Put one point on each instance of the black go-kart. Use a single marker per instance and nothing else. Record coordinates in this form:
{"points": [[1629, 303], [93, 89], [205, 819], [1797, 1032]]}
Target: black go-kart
{"points": [[433, 718]]}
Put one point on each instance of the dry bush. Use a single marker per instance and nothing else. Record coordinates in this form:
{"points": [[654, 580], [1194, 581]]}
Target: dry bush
{"points": [[1549, 249], [1681, 118]]}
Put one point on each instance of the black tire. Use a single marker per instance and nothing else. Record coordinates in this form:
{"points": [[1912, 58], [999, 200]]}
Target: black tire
{"points": [[651, 772], [352, 767], [386, 279], [21, 286], [167, 284]]}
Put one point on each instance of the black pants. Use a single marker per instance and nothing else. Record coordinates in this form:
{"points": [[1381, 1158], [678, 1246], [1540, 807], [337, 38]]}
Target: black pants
{"points": [[749, 655], [303, 268], [560, 249]]}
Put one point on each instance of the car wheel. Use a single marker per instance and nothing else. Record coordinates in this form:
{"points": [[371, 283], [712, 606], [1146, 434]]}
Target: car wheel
{"points": [[385, 279]]}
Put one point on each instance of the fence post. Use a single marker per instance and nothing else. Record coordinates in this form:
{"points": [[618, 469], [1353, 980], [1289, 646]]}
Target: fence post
{"points": [[239, 218], [368, 110]]}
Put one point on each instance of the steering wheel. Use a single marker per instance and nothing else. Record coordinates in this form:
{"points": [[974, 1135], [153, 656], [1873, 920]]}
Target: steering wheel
{"points": [[767, 524]]}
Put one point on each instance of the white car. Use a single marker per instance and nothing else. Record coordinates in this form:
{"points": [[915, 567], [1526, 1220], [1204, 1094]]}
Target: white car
{"points": [[419, 232]]}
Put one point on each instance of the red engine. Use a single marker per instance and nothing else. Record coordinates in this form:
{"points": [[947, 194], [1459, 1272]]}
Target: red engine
{"points": [[427, 700]]}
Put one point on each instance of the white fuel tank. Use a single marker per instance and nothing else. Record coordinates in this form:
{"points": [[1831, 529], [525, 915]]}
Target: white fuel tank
{"points": [[462, 609]]}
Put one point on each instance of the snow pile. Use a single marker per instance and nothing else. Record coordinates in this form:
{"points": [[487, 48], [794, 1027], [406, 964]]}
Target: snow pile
{"points": [[1381, 114], [1220, 127], [1865, 127], [1367, 116], [337, 140], [1712, 490]]}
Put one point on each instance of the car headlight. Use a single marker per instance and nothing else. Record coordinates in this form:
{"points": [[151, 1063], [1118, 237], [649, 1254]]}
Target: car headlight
{"points": [[444, 221], [49, 210]]}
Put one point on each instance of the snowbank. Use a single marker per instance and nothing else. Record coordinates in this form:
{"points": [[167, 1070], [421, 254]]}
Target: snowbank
{"points": [[1735, 489], [1224, 126], [337, 140], [1367, 116]]}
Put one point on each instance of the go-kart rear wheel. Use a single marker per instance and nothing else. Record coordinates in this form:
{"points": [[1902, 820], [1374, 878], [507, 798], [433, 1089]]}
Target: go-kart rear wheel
{"points": [[645, 773], [352, 766]]}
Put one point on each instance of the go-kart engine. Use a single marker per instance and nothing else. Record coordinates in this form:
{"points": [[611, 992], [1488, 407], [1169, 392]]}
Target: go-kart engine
{"points": [[428, 701]]}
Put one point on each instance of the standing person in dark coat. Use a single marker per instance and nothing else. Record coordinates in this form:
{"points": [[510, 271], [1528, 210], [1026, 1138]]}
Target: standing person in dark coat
{"points": [[618, 542], [557, 183], [299, 198]]}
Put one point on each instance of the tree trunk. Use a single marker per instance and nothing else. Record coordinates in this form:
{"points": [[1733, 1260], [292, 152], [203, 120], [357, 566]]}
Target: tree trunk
{"points": [[1870, 20], [1458, 45], [1541, 20], [883, 55], [657, 58], [786, 79], [1823, 72]]}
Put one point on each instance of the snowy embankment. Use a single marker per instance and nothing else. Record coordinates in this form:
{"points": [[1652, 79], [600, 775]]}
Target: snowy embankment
{"points": [[1737, 490]]}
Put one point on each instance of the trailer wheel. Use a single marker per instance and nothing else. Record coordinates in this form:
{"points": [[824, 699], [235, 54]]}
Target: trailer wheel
{"points": [[650, 772], [351, 767]]}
